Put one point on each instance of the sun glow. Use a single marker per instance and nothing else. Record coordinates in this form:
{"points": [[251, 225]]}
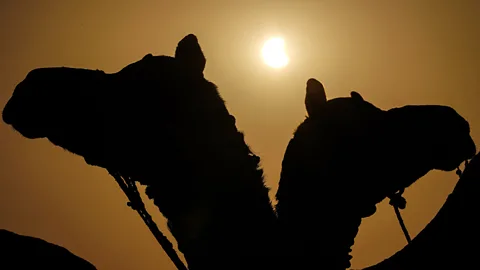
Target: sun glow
{"points": [[274, 54]]}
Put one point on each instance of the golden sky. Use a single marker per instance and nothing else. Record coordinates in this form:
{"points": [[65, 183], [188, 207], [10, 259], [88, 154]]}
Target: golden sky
{"points": [[393, 52]]}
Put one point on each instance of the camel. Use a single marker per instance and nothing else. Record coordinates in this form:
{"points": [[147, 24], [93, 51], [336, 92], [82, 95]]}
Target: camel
{"points": [[159, 122], [347, 156], [26, 252], [205, 179], [447, 242]]}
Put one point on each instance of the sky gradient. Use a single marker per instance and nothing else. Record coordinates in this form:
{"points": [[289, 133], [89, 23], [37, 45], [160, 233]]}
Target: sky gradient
{"points": [[393, 52]]}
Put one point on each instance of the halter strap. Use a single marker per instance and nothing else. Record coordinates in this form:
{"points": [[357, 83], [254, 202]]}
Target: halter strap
{"points": [[135, 202], [399, 202]]}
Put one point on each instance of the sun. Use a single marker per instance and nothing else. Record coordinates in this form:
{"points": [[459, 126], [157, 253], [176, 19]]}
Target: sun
{"points": [[273, 53]]}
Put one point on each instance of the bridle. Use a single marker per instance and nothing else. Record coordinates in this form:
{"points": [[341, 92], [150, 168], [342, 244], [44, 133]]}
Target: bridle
{"points": [[399, 202], [135, 202]]}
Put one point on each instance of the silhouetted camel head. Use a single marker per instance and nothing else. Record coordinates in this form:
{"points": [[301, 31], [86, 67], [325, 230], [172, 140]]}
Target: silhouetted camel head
{"points": [[158, 99], [438, 132], [349, 155], [49, 98], [350, 137], [159, 113], [160, 122]]}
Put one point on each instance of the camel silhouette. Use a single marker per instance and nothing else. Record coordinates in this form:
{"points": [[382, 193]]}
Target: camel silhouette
{"points": [[159, 122], [26, 252], [448, 241], [349, 155]]}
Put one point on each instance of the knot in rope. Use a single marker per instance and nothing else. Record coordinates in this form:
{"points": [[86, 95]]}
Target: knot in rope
{"points": [[397, 200]]}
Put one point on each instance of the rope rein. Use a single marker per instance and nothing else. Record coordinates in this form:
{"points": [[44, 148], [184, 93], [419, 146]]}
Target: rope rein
{"points": [[129, 187], [135, 202], [398, 202]]}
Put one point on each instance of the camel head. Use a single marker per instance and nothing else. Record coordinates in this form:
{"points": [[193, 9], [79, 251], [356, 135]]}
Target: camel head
{"points": [[437, 134], [49, 98], [156, 100], [351, 139], [347, 156], [157, 121]]}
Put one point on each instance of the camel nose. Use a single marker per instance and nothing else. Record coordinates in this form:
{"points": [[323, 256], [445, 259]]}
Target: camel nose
{"points": [[472, 148], [12, 110], [18, 113]]}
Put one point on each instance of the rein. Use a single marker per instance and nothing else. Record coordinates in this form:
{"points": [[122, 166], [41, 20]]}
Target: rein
{"points": [[398, 202], [135, 202], [129, 187]]}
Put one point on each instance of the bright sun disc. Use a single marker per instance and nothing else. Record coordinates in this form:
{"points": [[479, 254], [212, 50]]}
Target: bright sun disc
{"points": [[274, 54]]}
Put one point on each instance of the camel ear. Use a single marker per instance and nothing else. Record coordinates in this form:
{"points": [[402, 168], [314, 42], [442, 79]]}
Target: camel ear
{"points": [[356, 96], [147, 56], [315, 98], [189, 52]]}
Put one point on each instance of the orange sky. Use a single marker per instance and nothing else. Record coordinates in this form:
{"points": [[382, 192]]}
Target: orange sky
{"points": [[392, 52]]}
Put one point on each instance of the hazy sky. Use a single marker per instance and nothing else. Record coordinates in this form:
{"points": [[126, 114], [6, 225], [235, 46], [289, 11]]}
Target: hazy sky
{"points": [[393, 52]]}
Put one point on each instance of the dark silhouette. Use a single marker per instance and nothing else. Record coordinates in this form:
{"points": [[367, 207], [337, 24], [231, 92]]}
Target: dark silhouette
{"points": [[349, 155], [158, 121], [450, 240], [26, 252]]}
